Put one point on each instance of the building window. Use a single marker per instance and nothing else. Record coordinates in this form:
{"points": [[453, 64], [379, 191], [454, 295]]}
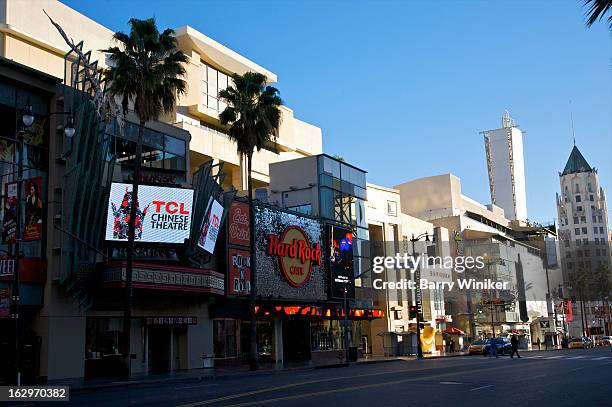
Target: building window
{"points": [[585, 241], [578, 242], [391, 208], [568, 255], [577, 188], [579, 253], [577, 231], [594, 219], [567, 243], [225, 332], [397, 314], [587, 253], [305, 209], [578, 199], [579, 208], [584, 231], [102, 337], [576, 220], [214, 81], [601, 230], [591, 198], [583, 219]]}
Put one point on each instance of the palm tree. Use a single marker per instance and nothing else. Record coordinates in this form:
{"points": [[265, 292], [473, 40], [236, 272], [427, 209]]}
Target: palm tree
{"points": [[145, 70], [253, 117], [597, 9]]}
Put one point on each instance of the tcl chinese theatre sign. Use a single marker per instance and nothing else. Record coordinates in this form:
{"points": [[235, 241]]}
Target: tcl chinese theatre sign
{"points": [[289, 256]]}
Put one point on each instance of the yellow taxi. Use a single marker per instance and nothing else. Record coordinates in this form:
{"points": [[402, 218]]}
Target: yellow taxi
{"points": [[476, 347], [579, 343]]}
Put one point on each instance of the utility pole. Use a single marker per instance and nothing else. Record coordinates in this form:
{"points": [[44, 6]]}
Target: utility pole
{"points": [[15, 294]]}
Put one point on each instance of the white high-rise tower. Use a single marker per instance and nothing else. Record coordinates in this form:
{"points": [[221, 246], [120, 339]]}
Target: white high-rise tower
{"points": [[506, 168]]}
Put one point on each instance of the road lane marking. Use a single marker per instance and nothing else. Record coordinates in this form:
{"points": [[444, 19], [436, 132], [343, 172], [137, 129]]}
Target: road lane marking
{"points": [[577, 357], [601, 358], [554, 357], [482, 387], [196, 386], [578, 368], [450, 383], [539, 376], [268, 389]]}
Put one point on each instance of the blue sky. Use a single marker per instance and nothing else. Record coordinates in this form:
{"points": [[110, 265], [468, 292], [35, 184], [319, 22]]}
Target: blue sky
{"points": [[403, 88]]}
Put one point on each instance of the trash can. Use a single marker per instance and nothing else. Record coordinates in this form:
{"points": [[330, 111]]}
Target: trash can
{"points": [[352, 353]]}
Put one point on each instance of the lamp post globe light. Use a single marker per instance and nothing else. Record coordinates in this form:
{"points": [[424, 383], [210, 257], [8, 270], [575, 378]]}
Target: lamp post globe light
{"points": [[27, 118]]}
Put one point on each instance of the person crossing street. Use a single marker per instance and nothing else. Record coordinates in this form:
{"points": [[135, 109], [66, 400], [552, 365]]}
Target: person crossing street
{"points": [[514, 342]]}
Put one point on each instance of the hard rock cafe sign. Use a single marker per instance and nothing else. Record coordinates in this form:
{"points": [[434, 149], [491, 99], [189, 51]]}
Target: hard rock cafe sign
{"points": [[296, 255]]}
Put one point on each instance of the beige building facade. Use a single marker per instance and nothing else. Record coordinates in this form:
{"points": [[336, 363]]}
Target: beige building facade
{"points": [[28, 38]]}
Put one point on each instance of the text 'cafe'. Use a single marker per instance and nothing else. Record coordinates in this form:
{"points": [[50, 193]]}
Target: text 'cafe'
{"points": [[303, 270]]}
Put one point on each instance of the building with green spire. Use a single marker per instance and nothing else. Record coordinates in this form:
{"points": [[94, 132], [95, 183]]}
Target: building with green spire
{"points": [[584, 240]]}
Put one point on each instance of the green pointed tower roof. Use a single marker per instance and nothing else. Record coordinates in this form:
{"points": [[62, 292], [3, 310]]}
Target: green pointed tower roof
{"points": [[576, 163]]}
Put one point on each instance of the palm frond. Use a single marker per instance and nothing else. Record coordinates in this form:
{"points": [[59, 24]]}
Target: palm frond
{"points": [[597, 9], [146, 69]]}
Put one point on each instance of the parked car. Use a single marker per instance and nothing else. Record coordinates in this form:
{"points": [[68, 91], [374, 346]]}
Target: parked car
{"points": [[606, 341], [580, 343], [476, 347], [503, 345]]}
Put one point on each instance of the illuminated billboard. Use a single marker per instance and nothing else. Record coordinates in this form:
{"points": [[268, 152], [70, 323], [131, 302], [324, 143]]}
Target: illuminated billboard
{"points": [[163, 215]]}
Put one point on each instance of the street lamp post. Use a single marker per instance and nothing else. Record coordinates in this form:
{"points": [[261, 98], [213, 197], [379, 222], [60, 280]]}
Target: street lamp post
{"points": [[417, 278], [346, 341], [27, 119]]}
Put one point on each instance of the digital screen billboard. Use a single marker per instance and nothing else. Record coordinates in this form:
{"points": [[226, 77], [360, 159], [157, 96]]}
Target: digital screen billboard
{"points": [[163, 214], [341, 262]]}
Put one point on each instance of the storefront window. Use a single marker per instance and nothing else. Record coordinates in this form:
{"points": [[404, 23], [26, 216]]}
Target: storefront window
{"points": [[102, 337], [326, 335], [225, 333]]}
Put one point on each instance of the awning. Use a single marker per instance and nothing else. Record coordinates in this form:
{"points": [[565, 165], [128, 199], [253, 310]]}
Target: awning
{"points": [[453, 331]]}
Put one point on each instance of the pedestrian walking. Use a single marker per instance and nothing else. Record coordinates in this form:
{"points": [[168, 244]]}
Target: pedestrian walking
{"points": [[514, 342], [492, 348], [539, 344], [451, 344]]}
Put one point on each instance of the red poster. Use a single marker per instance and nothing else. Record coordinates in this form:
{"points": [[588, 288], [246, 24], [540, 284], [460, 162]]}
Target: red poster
{"points": [[238, 224], [568, 311], [33, 209], [5, 302], [239, 275]]}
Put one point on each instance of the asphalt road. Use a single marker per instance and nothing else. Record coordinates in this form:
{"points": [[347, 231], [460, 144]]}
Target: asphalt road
{"points": [[551, 378]]}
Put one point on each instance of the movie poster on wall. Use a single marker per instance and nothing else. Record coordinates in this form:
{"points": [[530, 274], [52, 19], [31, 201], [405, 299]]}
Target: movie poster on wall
{"points": [[163, 214], [210, 226], [290, 256], [33, 209], [9, 222]]}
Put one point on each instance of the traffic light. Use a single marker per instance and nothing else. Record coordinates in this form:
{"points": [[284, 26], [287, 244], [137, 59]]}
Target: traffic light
{"points": [[412, 311]]}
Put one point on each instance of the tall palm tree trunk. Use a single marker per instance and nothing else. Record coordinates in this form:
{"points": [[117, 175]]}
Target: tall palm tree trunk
{"points": [[129, 268], [253, 356]]}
